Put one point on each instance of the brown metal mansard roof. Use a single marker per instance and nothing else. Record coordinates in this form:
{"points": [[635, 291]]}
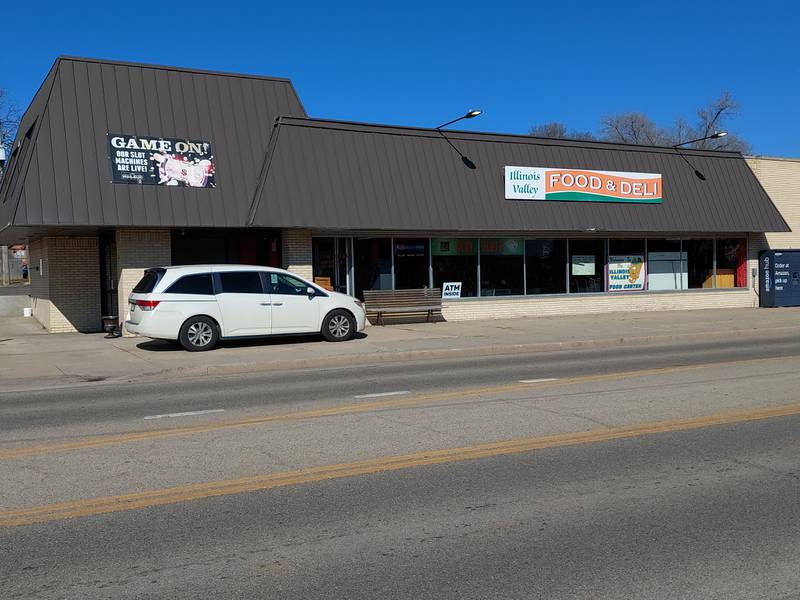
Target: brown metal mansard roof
{"points": [[300, 172], [60, 174], [340, 175]]}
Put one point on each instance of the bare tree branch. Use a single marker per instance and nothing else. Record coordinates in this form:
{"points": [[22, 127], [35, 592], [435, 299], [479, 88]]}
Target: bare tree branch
{"points": [[638, 128], [559, 131], [631, 128], [9, 122]]}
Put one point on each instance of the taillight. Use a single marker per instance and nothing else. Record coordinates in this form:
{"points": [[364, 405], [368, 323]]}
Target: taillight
{"points": [[146, 304]]}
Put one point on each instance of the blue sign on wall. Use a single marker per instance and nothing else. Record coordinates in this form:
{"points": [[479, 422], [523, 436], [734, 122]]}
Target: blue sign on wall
{"points": [[779, 278]]}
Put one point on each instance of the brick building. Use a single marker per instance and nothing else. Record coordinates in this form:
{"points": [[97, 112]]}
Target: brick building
{"points": [[118, 167]]}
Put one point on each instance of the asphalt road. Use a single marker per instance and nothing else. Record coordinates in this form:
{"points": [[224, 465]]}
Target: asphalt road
{"points": [[710, 513], [629, 472], [115, 403]]}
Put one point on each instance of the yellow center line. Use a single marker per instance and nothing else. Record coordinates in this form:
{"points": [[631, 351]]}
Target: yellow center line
{"points": [[198, 491], [345, 409]]}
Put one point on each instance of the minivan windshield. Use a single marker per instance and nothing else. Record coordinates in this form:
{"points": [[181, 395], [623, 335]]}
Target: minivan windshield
{"points": [[148, 283]]}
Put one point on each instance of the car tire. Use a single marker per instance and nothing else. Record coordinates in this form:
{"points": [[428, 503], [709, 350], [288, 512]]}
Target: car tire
{"points": [[199, 334], [338, 326]]}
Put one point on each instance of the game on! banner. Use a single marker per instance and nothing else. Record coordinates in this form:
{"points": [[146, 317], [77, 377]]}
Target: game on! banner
{"points": [[161, 161]]}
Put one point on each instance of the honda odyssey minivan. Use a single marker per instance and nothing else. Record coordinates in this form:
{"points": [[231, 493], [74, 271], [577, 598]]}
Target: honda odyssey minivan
{"points": [[199, 305]]}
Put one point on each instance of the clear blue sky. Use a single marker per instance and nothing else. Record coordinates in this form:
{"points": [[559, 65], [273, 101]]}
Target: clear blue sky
{"points": [[423, 63]]}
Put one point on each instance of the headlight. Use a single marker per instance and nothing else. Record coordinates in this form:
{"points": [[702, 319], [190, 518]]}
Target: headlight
{"points": [[359, 304]]}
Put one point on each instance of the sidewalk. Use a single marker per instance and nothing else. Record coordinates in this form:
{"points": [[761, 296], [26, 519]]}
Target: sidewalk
{"points": [[30, 358]]}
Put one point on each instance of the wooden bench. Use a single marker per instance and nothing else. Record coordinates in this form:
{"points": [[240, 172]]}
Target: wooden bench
{"points": [[403, 302]]}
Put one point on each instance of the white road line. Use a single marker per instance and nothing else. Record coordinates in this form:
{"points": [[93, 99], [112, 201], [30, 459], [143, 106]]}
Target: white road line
{"points": [[538, 380], [382, 394], [186, 414]]}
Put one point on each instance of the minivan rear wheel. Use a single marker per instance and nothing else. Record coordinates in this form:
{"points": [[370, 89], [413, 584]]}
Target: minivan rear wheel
{"points": [[198, 334], [338, 326]]}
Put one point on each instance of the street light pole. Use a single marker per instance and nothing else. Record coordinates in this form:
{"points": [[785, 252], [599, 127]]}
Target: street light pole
{"points": [[469, 115], [713, 136]]}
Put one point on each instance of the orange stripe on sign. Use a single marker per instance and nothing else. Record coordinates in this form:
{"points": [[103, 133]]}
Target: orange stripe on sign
{"points": [[596, 182]]}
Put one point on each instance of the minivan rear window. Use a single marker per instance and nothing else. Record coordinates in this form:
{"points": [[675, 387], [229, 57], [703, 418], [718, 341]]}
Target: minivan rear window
{"points": [[148, 283], [192, 284]]}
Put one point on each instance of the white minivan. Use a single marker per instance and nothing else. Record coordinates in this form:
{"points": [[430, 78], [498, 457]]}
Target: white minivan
{"points": [[198, 305]]}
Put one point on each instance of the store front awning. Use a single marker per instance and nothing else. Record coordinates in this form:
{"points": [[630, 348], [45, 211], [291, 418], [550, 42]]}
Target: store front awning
{"points": [[350, 176]]}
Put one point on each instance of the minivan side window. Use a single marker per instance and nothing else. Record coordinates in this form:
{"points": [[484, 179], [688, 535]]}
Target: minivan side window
{"points": [[286, 284], [193, 284], [241, 282]]}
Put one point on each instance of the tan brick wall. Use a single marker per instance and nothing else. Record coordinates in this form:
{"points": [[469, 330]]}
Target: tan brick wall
{"points": [[573, 304], [780, 178], [137, 250], [65, 294], [296, 251]]}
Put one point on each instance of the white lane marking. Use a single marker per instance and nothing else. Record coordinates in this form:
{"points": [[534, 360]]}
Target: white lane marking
{"points": [[382, 394], [186, 414], [538, 380]]}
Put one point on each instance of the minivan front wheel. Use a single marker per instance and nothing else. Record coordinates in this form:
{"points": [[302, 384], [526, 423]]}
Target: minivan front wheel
{"points": [[198, 334], [338, 326]]}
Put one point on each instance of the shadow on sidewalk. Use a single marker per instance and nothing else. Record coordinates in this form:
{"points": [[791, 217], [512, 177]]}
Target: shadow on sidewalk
{"points": [[287, 340]]}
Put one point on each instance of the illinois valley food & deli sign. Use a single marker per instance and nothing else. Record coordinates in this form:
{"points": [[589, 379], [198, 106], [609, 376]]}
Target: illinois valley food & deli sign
{"points": [[160, 161], [580, 185]]}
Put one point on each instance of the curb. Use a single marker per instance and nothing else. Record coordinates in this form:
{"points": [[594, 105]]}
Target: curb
{"points": [[445, 353]]}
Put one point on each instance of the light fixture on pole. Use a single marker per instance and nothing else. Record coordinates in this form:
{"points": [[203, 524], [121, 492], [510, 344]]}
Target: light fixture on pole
{"points": [[471, 114], [713, 136]]}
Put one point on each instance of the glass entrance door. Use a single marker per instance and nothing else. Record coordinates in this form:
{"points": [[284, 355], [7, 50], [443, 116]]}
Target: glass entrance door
{"points": [[333, 263]]}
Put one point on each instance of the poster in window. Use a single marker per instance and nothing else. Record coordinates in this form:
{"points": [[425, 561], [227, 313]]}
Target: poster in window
{"points": [[410, 250], [451, 289], [453, 247], [626, 273], [583, 264], [161, 161]]}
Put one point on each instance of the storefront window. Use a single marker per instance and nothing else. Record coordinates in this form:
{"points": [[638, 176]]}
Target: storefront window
{"points": [[455, 260], [410, 263], [700, 261], [197, 247], [587, 261], [545, 266], [731, 263], [373, 264], [666, 265], [502, 267], [626, 247]]}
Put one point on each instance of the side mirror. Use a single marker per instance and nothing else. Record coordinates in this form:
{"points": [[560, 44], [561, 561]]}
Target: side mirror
{"points": [[311, 292]]}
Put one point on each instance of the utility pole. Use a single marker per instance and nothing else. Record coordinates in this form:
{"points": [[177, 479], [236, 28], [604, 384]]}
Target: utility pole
{"points": [[6, 279]]}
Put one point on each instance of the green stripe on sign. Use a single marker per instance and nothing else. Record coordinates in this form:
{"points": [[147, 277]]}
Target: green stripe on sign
{"points": [[589, 197]]}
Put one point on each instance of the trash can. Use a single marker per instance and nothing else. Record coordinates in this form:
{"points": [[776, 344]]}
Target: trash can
{"points": [[111, 326]]}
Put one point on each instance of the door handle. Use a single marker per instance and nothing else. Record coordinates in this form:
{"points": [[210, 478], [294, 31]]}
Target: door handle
{"points": [[265, 304], [277, 304]]}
